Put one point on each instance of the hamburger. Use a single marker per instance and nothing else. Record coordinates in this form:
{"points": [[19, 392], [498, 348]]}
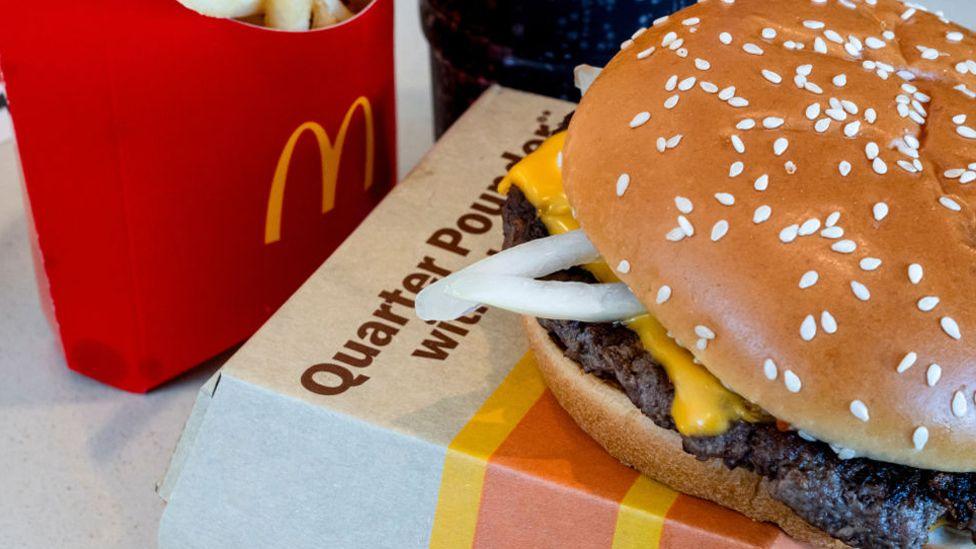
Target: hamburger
{"points": [[748, 267]]}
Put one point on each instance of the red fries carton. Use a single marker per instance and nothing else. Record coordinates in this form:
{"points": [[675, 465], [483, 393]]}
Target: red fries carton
{"points": [[184, 174]]}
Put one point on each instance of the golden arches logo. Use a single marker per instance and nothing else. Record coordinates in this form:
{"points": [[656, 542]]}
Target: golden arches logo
{"points": [[330, 155]]}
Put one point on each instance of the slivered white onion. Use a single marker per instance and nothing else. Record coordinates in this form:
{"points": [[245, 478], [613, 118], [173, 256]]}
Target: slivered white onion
{"points": [[548, 299], [531, 260]]}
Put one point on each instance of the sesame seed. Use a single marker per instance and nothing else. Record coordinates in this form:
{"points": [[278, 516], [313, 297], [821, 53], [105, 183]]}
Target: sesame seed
{"points": [[852, 129], [809, 227], [780, 146], [770, 369], [959, 405], [752, 49], [772, 122], [789, 234], [808, 279], [928, 303], [870, 263], [880, 211], [746, 124], [772, 76], [860, 291], [833, 36], [686, 226], [640, 119], [645, 53], [790, 167], [954, 36], [708, 87], [832, 232], [704, 332], [915, 273], [860, 410], [725, 38], [871, 116], [966, 132], [792, 381], [623, 266], [673, 141], [668, 39], [949, 203], [879, 166], [813, 111], [719, 230], [683, 204], [736, 169], [872, 150], [761, 183], [726, 199], [822, 125], [769, 33], [814, 25], [921, 435], [907, 362], [727, 93], [761, 214], [844, 247], [675, 235], [737, 144], [702, 64], [672, 83], [819, 45], [626, 44], [663, 294], [662, 144], [828, 322], [838, 114], [832, 219], [950, 327], [959, 119], [672, 101], [808, 328], [687, 83], [691, 21], [844, 167], [840, 80], [813, 88], [933, 374], [874, 42], [622, 183]]}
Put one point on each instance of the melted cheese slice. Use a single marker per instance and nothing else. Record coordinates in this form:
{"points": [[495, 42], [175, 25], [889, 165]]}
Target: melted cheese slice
{"points": [[702, 405]]}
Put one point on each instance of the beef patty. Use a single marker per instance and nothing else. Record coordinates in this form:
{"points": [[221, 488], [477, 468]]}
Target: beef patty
{"points": [[863, 502]]}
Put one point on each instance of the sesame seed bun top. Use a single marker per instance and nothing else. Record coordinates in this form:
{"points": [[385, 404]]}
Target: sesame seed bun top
{"points": [[796, 173]]}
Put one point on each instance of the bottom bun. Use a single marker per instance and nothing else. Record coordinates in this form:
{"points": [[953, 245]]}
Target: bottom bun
{"points": [[607, 415]]}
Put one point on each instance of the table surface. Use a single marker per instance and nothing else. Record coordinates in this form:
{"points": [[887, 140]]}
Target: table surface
{"points": [[80, 461]]}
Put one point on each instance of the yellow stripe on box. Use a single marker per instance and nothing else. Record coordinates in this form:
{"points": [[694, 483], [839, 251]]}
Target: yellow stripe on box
{"points": [[456, 517], [640, 520]]}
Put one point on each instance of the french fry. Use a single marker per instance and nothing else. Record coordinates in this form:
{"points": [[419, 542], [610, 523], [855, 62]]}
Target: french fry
{"points": [[225, 8], [329, 12], [290, 15]]}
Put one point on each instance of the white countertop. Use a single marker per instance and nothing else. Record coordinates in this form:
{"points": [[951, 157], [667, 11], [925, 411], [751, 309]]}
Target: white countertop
{"points": [[80, 460]]}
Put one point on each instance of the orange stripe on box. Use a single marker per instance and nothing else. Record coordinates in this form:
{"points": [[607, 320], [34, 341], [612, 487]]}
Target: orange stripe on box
{"points": [[693, 522], [550, 485], [456, 515]]}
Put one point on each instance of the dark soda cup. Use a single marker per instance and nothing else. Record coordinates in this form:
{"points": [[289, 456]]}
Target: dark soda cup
{"points": [[531, 45]]}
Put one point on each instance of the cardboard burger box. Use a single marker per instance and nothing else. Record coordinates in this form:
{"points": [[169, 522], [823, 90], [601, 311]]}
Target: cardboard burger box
{"points": [[348, 422]]}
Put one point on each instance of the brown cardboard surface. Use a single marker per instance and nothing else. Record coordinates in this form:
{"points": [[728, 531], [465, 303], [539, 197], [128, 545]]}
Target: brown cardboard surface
{"points": [[433, 397]]}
